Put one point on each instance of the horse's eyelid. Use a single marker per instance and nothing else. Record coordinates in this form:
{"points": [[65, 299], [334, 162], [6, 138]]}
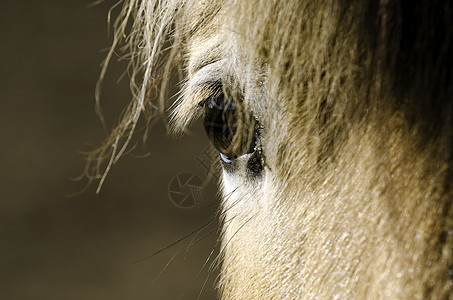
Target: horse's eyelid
{"points": [[215, 91], [202, 102]]}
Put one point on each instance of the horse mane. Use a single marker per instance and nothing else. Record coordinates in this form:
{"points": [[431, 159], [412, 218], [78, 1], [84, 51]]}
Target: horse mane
{"points": [[141, 31]]}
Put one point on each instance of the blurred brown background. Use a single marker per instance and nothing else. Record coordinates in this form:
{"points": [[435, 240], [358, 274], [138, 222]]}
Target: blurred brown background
{"points": [[84, 247]]}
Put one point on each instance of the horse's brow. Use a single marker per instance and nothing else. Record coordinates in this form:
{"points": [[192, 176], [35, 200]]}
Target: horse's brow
{"points": [[201, 86], [203, 61], [206, 75], [210, 53]]}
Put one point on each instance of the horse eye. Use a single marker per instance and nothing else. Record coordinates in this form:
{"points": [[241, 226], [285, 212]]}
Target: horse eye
{"points": [[231, 133]]}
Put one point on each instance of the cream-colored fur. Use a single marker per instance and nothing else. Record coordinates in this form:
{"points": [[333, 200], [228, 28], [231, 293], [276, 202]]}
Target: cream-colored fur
{"points": [[355, 101]]}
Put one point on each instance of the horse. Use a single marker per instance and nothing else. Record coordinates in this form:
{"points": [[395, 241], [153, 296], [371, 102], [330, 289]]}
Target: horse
{"points": [[333, 124]]}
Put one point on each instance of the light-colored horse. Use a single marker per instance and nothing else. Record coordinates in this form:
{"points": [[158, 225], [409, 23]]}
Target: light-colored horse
{"points": [[334, 124]]}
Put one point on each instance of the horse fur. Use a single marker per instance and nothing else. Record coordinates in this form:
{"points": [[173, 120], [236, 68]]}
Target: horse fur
{"points": [[355, 99]]}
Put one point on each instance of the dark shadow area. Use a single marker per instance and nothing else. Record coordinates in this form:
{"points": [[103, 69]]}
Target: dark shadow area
{"points": [[84, 247]]}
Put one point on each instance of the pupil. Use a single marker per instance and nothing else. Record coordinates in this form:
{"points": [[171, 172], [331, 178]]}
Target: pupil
{"points": [[221, 122]]}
